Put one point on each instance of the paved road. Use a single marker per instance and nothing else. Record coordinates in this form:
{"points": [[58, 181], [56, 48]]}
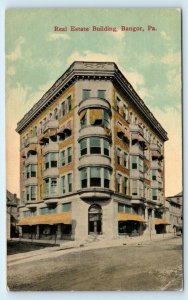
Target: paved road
{"points": [[148, 266]]}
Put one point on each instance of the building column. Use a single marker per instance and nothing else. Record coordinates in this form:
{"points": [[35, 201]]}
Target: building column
{"points": [[58, 231], [37, 232]]}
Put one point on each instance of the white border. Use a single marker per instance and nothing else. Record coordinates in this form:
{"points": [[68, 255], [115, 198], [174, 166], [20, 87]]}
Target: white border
{"points": [[183, 4]]}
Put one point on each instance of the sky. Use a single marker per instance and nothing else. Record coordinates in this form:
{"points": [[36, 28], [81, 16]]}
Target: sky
{"points": [[36, 56]]}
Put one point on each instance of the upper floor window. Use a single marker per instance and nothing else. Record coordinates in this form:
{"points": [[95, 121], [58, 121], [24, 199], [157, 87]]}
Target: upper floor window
{"points": [[31, 193], [83, 147], [117, 104], [69, 180], [118, 155], [31, 171], [55, 114], [63, 108], [154, 174], [66, 156], [118, 182], [50, 160], [134, 162], [154, 194], [69, 104], [101, 94], [50, 186], [95, 147], [95, 176], [86, 94], [83, 119]]}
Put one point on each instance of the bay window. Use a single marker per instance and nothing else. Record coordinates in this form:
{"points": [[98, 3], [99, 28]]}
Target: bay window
{"points": [[83, 177], [33, 193], [53, 187], [95, 147], [33, 170], [50, 160], [134, 188], [83, 147], [154, 194], [106, 147], [134, 162], [95, 178], [106, 178]]}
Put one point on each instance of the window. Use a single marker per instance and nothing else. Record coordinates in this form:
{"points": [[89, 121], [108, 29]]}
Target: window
{"points": [[134, 161], [125, 180], [63, 184], [63, 108], [83, 177], [125, 159], [66, 206], [69, 182], [43, 210], [63, 158], [118, 182], [33, 192], [27, 193], [121, 207], [106, 178], [106, 147], [55, 114], [154, 194], [53, 185], [125, 112], [53, 157], [51, 209], [118, 154], [86, 94], [26, 213], [46, 161], [69, 155], [83, 119], [46, 186], [95, 145], [33, 170], [28, 171], [95, 179], [117, 104], [101, 94], [69, 103], [83, 147], [134, 188], [106, 119], [154, 174]]}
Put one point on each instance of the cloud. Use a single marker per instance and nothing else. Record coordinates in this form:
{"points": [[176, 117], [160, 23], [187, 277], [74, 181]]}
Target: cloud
{"points": [[17, 53], [172, 58], [88, 55], [57, 36], [165, 36]]}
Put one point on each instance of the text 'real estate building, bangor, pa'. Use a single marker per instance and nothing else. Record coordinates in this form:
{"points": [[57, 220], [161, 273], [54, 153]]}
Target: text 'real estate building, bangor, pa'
{"points": [[91, 159]]}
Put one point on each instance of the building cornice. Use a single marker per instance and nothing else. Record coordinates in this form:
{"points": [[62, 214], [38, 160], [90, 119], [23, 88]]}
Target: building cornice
{"points": [[91, 70]]}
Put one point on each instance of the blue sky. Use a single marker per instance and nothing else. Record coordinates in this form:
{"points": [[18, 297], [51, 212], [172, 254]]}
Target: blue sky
{"points": [[151, 60]]}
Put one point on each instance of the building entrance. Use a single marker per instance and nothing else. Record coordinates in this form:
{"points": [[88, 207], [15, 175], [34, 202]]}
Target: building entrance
{"points": [[95, 219]]}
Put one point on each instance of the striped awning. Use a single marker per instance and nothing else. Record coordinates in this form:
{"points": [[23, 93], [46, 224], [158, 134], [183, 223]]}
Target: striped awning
{"points": [[155, 153], [129, 217], [50, 219], [158, 221]]}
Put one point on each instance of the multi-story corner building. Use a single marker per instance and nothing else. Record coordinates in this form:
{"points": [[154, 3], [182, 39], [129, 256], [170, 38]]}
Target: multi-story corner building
{"points": [[174, 212], [91, 158]]}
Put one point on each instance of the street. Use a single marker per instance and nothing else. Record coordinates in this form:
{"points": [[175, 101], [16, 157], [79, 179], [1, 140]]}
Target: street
{"points": [[154, 265]]}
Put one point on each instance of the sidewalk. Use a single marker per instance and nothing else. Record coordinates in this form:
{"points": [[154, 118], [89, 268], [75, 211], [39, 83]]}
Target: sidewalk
{"points": [[75, 246]]}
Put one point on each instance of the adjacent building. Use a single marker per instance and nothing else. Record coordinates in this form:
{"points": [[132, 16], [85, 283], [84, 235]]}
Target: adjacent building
{"points": [[12, 215], [91, 159], [174, 213]]}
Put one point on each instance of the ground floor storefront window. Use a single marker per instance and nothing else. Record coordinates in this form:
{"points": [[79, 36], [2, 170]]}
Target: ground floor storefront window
{"points": [[131, 228], [161, 228], [47, 232]]}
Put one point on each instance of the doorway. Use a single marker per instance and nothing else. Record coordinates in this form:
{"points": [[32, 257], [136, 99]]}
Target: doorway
{"points": [[95, 219]]}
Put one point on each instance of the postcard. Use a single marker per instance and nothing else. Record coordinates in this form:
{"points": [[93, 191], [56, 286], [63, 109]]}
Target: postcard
{"points": [[94, 149]]}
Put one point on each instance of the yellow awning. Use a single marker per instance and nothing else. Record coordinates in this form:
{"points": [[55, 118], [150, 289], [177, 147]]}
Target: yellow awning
{"points": [[129, 217], [160, 222], [50, 219]]}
